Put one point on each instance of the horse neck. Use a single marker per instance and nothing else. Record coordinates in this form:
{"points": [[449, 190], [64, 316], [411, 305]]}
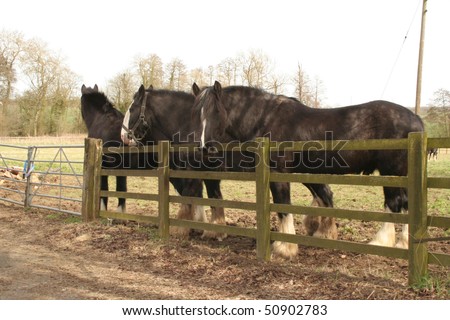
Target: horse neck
{"points": [[172, 117], [247, 115], [89, 115]]}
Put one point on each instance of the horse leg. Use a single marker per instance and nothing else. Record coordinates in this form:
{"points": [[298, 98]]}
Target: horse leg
{"points": [[104, 187], [403, 241], [188, 188], [199, 210], [281, 194], [321, 227], [217, 213], [393, 203], [121, 185]]}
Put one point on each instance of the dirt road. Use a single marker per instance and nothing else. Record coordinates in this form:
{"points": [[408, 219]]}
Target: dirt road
{"points": [[44, 255]]}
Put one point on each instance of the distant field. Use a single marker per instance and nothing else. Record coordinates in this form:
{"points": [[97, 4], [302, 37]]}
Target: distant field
{"points": [[44, 140]]}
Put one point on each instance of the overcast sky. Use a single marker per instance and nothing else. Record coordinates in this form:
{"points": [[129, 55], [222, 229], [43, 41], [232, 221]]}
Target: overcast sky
{"points": [[351, 45]]}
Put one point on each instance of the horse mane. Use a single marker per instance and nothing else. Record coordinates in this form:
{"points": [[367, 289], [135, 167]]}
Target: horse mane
{"points": [[166, 92], [208, 100], [99, 101], [95, 102]]}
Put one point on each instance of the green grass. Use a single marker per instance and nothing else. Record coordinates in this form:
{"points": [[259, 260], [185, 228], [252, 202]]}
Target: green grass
{"points": [[430, 284], [67, 219]]}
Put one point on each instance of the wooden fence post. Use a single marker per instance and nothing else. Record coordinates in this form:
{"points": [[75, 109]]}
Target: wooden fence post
{"points": [[90, 207], [163, 188], [263, 199], [417, 206]]}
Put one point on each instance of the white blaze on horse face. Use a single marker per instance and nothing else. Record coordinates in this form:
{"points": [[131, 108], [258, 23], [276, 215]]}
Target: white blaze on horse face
{"points": [[126, 123], [203, 130], [123, 132]]}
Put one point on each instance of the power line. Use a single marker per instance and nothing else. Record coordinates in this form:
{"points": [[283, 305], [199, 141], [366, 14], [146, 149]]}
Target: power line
{"points": [[401, 49]]}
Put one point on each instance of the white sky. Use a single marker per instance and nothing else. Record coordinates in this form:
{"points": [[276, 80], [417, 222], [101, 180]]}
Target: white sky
{"points": [[351, 45]]}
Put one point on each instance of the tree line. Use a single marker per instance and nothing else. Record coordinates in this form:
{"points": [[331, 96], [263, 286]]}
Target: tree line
{"points": [[253, 68], [48, 102], [39, 93]]}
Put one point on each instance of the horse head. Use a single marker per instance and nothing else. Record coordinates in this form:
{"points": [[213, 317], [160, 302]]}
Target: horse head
{"points": [[94, 105], [137, 119], [209, 107], [88, 90]]}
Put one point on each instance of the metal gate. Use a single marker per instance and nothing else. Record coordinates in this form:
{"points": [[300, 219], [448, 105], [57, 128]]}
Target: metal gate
{"points": [[48, 177]]}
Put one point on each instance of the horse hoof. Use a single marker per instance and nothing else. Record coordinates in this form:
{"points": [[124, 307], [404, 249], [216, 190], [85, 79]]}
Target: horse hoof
{"points": [[285, 250], [214, 235], [376, 242], [402, 244], [179, 232], [326, 235]]}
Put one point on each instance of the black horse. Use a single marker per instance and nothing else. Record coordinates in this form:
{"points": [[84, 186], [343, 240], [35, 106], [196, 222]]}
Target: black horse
{"points": [[432, 153], [104, 122], [240, 113], [157, 115]]}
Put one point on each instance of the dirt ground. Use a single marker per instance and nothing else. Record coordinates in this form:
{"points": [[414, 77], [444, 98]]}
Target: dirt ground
{"points": [[44, 255]]}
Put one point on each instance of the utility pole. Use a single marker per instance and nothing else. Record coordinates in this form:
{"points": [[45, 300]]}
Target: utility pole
{"points": [[419, 67]]}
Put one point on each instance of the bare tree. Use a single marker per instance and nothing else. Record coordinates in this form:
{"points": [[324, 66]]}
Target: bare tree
{"points": [[227, 71], [318, 91], [60, 100], [41, 68], [176, 74], [441, 98], [276, 83], [199, 76], [51, 87], [301, 83], [255, 68], [437, 118], [150, 70], [121, 90], [12, 44]]}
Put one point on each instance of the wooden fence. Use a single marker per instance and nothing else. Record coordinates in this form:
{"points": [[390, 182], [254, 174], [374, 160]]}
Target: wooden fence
{"points": [[416, 182]]}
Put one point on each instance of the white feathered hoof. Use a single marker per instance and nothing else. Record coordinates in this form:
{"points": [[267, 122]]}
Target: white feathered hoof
{"points": [[385, 236], [214, 235], [402, 244], [403, 240], [199, 214], [327, 230], [284, 250], [180, 232]]}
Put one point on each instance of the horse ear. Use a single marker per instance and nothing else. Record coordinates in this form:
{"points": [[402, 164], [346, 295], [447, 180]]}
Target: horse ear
{"points": [[83, 89], [95, 88], [218, 88], [141, 90], [150, 87], [195, 89]]}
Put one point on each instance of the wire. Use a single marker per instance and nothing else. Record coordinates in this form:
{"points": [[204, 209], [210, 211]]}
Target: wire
{"points": [[401, 49]]}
